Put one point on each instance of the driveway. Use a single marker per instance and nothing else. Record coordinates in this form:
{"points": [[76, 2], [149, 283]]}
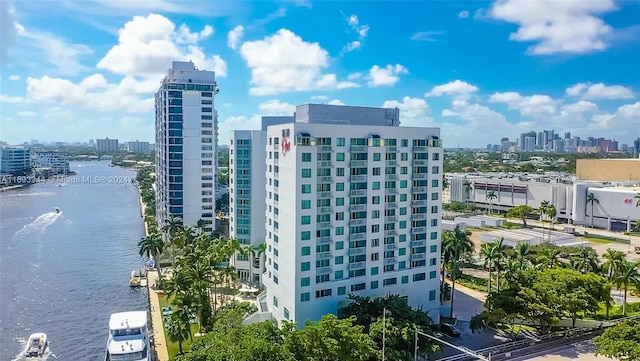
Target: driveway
{"points": [[583, 350]]}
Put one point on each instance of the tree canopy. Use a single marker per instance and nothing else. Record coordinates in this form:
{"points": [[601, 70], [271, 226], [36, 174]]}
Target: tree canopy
{"points": [[621, 342]]}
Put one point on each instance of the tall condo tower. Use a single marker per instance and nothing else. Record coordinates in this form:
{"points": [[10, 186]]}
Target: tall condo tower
{"points": [[352, 206], [186, 146]]}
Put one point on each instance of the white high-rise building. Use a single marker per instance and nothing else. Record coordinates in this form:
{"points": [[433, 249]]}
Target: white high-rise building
{"points": [[186, 146], [247, 195], [352, 206]]}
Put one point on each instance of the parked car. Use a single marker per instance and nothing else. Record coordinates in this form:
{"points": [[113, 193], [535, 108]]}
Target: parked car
{"points": [[450, 330]]}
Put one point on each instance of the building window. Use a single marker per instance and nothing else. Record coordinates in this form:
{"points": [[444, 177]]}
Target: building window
{"points": [[306, 251], [305, 220], [405, 279], [374, 285], [376, 157], [304, 297], [323, 293], [432, 295], [305, 266], [419, 277], [275, 301], [306, 173], [432, 274], [339, 260], [306, 188], [286, 314], [340, 142], [305, 281], [339, 187], [306, 157], [339, 202], [342, 290], [433, 248], [305, 235], [305, 204], [374, 270], [339, 157]]}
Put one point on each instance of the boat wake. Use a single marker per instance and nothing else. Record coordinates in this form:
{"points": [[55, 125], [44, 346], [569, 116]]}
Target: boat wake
{"points": [[39, 225]]}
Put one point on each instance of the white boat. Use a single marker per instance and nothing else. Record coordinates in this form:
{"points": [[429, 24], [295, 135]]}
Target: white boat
{"points": [[36, 345], [138, 278], [56, 209], [128, 337]]}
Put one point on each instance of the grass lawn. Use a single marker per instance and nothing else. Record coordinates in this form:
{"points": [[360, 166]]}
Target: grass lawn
{"points": [[172, 347], [595, 238], [476, 283]]}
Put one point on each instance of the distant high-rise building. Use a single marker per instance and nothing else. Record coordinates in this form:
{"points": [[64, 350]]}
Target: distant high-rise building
{"points": [[529, 144], [137, 146], [186, 146], [567, 135], [636, 146], [107, 145], [14, 159], [523, 136]]}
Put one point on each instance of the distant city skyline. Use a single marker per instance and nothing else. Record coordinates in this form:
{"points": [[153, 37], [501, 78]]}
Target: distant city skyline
{"points": [[472, 68]]}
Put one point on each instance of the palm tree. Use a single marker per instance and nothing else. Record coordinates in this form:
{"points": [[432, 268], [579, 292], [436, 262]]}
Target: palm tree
{"points": [[491, 196], [591, 198], [522, 254], [171, 227], [185, 236], [178, 327], [152, 246], [542, 210], [611, 265], [629, 274], [549, 257], [455, 245], [585, 260], [551, 213], [492, 253], [467, 189], [638, 200]]}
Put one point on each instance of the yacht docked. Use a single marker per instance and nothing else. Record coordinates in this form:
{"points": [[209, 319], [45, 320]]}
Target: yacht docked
{"points": [[138, 278], [128, 337], [36, 345]]}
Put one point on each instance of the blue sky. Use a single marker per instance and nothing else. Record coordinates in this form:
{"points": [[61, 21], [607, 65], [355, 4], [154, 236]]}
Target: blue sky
{"points": [[80, 70]]}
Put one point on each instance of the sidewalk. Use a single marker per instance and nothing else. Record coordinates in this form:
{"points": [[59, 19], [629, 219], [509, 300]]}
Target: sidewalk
{"points": [[159, 342]]}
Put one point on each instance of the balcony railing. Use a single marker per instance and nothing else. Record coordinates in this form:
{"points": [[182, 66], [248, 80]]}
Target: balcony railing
{"points": [[358, 163], [390, 246], [357, 207], [421, 243], [325, 195], [391, 191], [323, 270], [419, 176], [324, 240], [325, 148], [390, 219], [391, 232], [419, 149], [357, 265], [419, 203], [419, 162], [321, 225], [359, 192], [325, 179], [391, 176], [323, 255], [392, 163], [419, 189], [418, 257], [391, 205], [358, 148], [358, 178], [415, 230], [357, 236], [418, 216], [325, 163], [357, 222], [357, 251], [325, 209], [390, 260], [392, 148]]}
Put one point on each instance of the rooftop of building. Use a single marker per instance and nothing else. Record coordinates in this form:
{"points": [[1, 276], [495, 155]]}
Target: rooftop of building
{"points": [[347, 114]]}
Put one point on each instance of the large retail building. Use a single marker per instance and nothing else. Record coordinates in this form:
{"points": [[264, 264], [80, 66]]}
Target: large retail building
{"points": [[612, 170]]}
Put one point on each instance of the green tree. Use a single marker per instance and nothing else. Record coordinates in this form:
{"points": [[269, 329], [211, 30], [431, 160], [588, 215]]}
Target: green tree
{"points": [[591, 199], [637, 197], [152, 246], [585, 260], [620, 342], [171, 229], [491, 196], [628, 273], [455, 245], [492, 253], [520, 212], [178, 327], [468, 187]]}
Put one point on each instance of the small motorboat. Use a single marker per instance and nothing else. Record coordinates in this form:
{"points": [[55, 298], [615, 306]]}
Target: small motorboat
{"points": [[36, 345], [138, 278], [56, 209]]}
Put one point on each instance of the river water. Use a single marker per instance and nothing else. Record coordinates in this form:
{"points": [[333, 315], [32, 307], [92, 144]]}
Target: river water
{"points": [[65, 273]]}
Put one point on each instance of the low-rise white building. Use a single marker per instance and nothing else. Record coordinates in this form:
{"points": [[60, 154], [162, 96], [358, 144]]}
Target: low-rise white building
{"points": [[56, 161]]}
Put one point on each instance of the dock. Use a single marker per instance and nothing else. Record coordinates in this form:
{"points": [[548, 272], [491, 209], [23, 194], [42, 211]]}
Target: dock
{"points": [[159, 341]]}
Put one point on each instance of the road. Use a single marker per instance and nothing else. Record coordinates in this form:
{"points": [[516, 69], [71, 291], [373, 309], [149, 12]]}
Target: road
{"points": [[583, 350]]}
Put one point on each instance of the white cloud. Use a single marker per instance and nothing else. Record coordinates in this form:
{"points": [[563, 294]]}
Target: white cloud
{"points": [[11, 99], [283, 62], [335, 102], [9, 30], [354, 76], [354, 45], [235, 36], [599, 91], [456, 87], [58, 52], [581, 106], [319, 97], [557, 26], [386, 76], [14, 77], [229, 124], [534, 106], [219, 66], [26, 113], [619, 123], [275, 107], [463, 14], [426, 35], [414, 112], [361, 30], [147, 46], [130, 8]]}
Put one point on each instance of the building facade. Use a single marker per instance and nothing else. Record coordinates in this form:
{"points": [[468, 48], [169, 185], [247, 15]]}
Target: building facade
{"points": [[352, 206], [107, 145], [14, 160], [137, 147], [616, 170], [186, 146], [56, 161], [247, 195]]}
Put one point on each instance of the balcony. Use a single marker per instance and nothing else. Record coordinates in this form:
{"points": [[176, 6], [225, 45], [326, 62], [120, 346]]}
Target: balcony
{"points": [[357, 236], [324, 210], [276, 146], [322, 225], [358, 178], [419, 203], [415, 230], [325, 148], [323, 255], [323, 270], [325, 179], [357, 265], [391, 191], [358, 163], [419, 162], [325, 195], [391, 232], [359, 192], [357, 222], [419, 149], [419, 189], [418, 216], [276, 203], [390, 219], [391, 177], [421, 243], [325, 163], [275, 216], [357, 207], [324, 240], [390, 246], [357, 251], [392, 149], [419, 176], [390, 260], [434, 143], [358, 148], [391, 205], [392, 163], [418, 257]]}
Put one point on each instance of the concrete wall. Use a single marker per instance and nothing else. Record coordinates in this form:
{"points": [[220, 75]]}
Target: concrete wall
{"points": [[608, 169]]}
